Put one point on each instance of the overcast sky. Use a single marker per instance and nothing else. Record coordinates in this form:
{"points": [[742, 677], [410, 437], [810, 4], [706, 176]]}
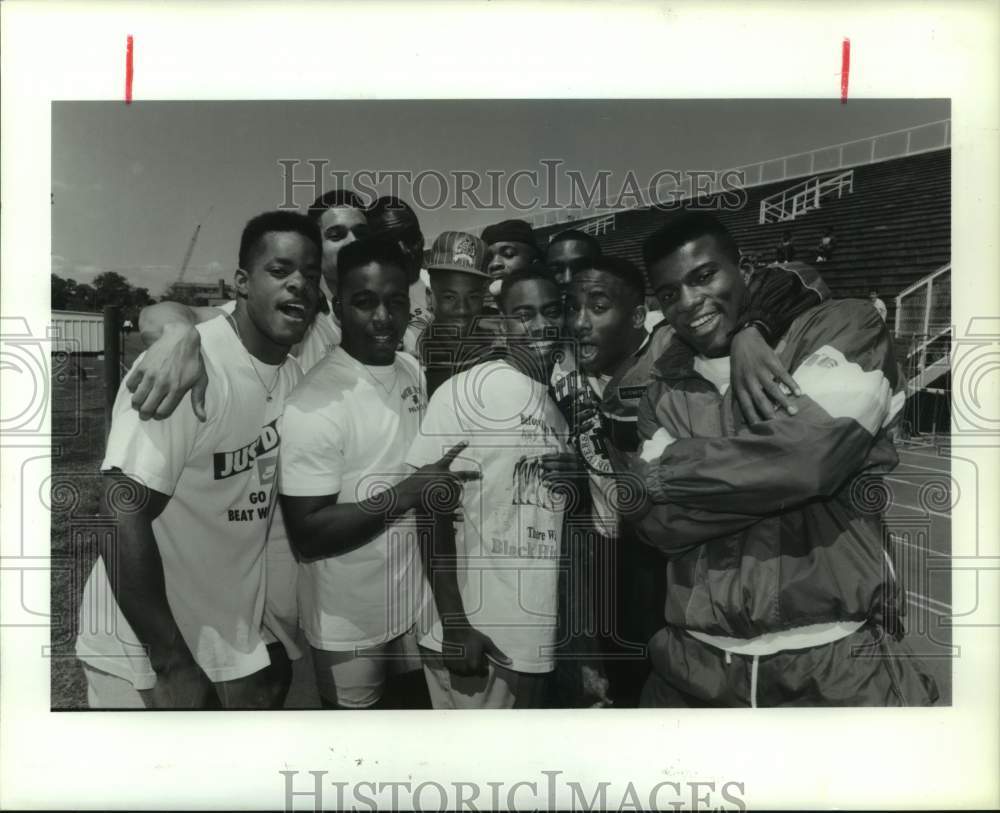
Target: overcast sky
{"points": [[131, 182]]}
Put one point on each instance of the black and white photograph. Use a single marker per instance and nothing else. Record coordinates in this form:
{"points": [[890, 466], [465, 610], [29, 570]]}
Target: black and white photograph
{"points": [[640, 425], [391, 423]]}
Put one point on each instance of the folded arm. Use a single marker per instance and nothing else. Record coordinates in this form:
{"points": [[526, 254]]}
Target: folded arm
{"points": [[771, 466], [846, 374]]}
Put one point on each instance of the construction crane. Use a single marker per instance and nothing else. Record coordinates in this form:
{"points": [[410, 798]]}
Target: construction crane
{"points": [[190, 248]]}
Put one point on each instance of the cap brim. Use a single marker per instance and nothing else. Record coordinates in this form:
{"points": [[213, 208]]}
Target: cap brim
{"points": [[464, 269]]}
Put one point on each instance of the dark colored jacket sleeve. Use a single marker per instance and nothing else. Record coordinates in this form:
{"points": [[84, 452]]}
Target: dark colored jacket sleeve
{"points": [[778, 464], [780, 294], [672, 527]]}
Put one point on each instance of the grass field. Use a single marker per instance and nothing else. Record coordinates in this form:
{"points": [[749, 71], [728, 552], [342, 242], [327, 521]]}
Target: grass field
{"points": [[78, 422], [917, 520]]}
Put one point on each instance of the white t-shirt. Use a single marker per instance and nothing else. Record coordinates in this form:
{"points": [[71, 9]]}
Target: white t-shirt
{"points": [[717, 370], [321, 337], [220, 477], [881, 308], [653, 318], [281, 618], [345, 431], [421, 312], [509, 536]]}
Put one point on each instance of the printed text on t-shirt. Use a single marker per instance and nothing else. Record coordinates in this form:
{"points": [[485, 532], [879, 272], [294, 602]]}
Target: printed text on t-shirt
{"points": [[228, 464]]}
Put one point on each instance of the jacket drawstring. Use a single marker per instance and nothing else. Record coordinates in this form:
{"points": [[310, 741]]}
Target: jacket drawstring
{"points": [[753, 676]]}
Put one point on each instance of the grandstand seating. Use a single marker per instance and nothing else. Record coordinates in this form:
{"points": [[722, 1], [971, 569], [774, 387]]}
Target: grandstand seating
{"points": [[893, 230]]}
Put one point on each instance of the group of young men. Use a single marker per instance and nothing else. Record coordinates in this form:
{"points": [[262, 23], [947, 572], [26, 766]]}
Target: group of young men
{"points": [[487, 483]]}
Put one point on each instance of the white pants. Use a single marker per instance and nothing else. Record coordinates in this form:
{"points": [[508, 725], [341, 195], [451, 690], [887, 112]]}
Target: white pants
{"points": [[356, 679], [254, 691], [105, 691], [281, 610]]}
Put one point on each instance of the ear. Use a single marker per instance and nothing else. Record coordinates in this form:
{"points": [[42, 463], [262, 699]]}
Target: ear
{"points": [[241, 281], [639, 316]]}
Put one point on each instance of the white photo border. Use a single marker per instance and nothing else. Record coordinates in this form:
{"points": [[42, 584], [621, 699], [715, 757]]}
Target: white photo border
{"points": [[848, 758]]}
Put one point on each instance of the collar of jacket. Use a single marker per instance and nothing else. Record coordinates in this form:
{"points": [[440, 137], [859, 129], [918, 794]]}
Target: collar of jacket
{"points": [[676, 363]]}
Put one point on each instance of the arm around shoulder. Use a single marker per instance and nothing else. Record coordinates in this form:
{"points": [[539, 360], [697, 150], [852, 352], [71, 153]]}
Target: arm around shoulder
{"points": [[172, 365], [846, 370], [154, 319]]}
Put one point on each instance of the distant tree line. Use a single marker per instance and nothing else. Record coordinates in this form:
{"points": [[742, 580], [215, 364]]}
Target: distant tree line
{"points": [[111, 288], [108, 288]]}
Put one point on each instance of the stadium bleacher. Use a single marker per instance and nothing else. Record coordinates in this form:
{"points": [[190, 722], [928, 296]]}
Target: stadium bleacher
{"points": [[892, 230]]}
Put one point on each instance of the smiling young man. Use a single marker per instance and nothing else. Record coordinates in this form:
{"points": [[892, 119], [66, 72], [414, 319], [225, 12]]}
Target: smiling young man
{"points": [[393, 220], [346, 500], [493, 569], [172, 365], [614, 356], [454, 341], [779, 590], [171, 614]]}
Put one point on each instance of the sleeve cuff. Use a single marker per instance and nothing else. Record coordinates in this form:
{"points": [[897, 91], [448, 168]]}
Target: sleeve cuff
{"points": [[309, 490], [759, 320], [654, 485], [144, 478]]}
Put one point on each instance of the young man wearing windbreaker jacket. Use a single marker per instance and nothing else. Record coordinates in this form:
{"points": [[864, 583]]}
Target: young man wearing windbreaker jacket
{"points": [[779, 588]]}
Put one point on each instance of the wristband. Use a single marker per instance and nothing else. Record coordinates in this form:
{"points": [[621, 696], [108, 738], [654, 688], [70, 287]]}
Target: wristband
{"points": [[757, 323]]}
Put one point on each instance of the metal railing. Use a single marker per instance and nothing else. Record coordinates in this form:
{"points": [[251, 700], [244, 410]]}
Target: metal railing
{"points": [[552, 217], [921, 138], [601, 225], [596, 226], [923, 319], [804, 197]]}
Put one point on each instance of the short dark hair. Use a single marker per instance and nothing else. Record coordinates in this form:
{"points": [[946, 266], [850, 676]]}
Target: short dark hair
{"points": [[369, 250], [511, 231], [624, 270], [281, 220], [536, 270], [394, 219], [333, 199], [682, 229], [580, 236], [400, 209]]}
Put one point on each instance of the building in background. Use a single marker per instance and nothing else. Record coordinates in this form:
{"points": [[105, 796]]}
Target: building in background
{"points": [[77, 332], [201, 293]]}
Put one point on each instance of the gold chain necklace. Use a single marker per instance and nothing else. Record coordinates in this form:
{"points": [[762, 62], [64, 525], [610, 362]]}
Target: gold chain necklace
{"points": [[267, 390], [395, 378]]}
